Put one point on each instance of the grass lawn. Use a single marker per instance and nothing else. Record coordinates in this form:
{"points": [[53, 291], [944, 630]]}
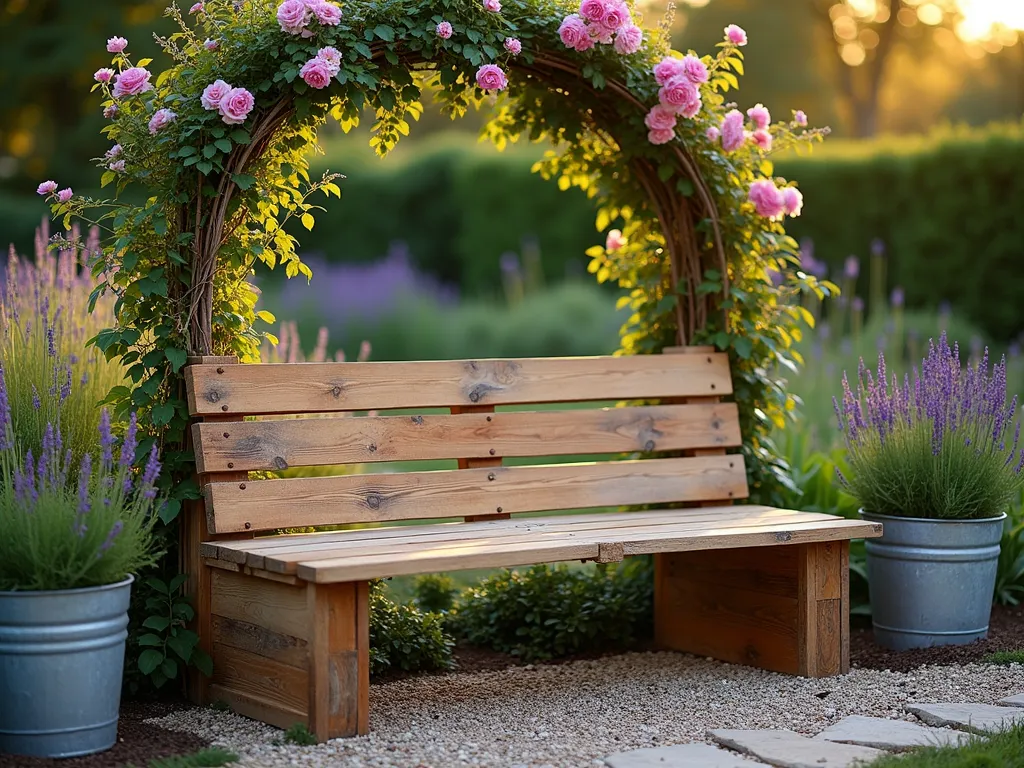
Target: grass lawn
{"points": [[1003, 750]]}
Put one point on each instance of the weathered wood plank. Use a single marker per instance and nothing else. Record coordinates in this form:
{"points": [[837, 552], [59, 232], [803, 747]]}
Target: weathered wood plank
{"points": [[282, 443], [260, 641], [328, 387], [257, 708], [278, 607], [270, 504], [279, 686]]}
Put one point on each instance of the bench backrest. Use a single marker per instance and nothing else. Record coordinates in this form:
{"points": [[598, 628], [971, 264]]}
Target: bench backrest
{"points": [[298, 406]]}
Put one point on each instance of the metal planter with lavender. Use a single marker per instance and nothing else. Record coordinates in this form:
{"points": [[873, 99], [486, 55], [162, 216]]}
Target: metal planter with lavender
{"points": [[935, 458]]}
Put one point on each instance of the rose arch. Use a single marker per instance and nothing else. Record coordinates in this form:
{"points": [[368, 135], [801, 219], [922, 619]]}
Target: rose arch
{"points": [[218, 144]]}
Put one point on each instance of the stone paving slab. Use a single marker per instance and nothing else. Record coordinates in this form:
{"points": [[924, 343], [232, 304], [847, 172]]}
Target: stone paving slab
{"points": [[979, 718], [890, 735], [680, 756], [787, 749], [1013, 701]]}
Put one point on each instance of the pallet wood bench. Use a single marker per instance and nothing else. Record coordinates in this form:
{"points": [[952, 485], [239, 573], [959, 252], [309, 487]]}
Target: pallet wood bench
{"points": [[285, 617]]}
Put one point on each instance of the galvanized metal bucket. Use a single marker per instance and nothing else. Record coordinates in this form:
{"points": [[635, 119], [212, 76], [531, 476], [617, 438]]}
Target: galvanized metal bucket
{"points": [[931, 581], [61, 659]]}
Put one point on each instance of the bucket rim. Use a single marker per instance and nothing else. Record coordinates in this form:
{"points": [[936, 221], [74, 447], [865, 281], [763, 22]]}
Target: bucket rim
{"points": [[61, 592], [934, 520]]}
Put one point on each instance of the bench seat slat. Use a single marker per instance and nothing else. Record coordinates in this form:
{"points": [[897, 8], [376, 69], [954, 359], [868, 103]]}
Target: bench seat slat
{"points": [[298, 502], [329, 387], [283, 443]]}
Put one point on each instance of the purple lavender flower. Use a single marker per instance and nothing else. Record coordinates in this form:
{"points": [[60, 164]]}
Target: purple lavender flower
{"points": [[858, 304], [131, 442], [115, 531], [5, 412], [878, 247], [150, 474], [851, 268], [897, 298], [106, 442], [36, 402]]}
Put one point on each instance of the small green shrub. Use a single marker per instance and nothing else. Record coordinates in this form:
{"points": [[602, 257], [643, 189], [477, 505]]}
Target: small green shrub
{"points": [[551, 611], [1004, 658], [402, 637], [299, 734], [435, 592], [1000, 750], [214, 757], [1010, 572]]}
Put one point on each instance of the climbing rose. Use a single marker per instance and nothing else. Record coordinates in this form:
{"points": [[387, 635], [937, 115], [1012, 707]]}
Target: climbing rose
{"points": [[593, 10], [691, 108], [793, 200], [695, 69], [117, 166], [735, 35], [616, 16], [317, 73], [132, 82], [573, 32], [668, 68], [114, 151], [47, 188], [116, 44], [103, 75], [327, 13], [762, 138], [628, 40], [732, 131], [197, 8], [614, 241], [236, 105], [65, 194], [444, 30], [292, 16], [661, 118], [213, 93], [599, 33], [760, 115], [713, 133], [160, 120], [513, 46], [494, 6], [767, 198], [491, 78], [661, 136], [678, 92], [332, 56], [800, 118], [211, 45], [110, 111]]}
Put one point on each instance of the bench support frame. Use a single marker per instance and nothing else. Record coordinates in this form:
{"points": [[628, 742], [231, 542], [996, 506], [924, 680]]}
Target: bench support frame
{"points": [[785, 609]]}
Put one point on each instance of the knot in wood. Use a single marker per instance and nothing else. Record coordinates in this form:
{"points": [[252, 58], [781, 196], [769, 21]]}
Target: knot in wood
{"points": [[649, 445], [373, 501], [474, 396], [212, 396], [716, 423], [280, 463], [417, 420], [220, 370], [336, 391], [783, 536], [372, 447]]}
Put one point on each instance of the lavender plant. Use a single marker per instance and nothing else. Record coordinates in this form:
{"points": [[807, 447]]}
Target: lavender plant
{"points": [[63, 530], [944, 446]]}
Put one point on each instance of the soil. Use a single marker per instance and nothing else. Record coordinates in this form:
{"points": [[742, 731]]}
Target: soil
{"points": [[137, 742]]}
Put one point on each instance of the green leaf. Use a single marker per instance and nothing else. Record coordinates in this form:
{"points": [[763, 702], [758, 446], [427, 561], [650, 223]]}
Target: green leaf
{"points": [[149, 660], [224, 145], [159, 623], [363, 49], [209, 151], [176, 357], [182, 645], [240, 136], [150, 640], [169, 668], [170, 510], [243, 180], [201, 660], [157, 585], [162, 414], [308, 220], [665, 172], [743, 346], [384, 32]]}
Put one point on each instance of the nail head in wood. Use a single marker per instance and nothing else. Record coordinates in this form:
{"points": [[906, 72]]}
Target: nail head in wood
{"points": [[241, 487], [499, 509], [490, 476], [488, 418], [231, 465], [220, 370], [492, 451], [248, 525], [223, 407], [227, 435]]}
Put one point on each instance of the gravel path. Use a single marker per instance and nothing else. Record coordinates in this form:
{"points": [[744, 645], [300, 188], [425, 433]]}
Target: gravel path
{"points": [[573, 714]]}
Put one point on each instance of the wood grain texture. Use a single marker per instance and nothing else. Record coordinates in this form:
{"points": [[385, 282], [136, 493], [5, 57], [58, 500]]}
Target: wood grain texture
{"points": [[270, 504], [277, 607], [256, 707], [279, 444], [260, 641], [472, 461], [823, 594], [328, 387], [280, 686]]}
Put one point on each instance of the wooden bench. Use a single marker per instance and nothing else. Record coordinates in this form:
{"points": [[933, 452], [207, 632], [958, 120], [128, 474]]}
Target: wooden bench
{"points": [[285, 617]]}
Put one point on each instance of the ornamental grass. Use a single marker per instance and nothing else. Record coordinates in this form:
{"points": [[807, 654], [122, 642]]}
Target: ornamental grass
{"points": [[942, 445]]}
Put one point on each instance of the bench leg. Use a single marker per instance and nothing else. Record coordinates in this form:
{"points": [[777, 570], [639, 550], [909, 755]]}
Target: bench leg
{"points": [[782, 608]]}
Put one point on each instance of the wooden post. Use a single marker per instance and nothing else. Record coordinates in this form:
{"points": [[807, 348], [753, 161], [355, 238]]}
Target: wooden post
{"points": [[192, 532], [477, 463]]}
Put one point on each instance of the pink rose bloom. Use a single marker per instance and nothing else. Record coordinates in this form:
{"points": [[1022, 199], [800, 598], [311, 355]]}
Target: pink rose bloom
{"points": [[690, 109], [65, 194], [213, 93], [667, 69], [494, 6], [678, 92], [762, 138], [444, 30], [572, 31], [615, 240], [114, 151], [661, 136], [767, 198], [236, 105], [695, 69], [210, 45], [600, 34], [332, 56], [293, 16], [47, 188], [116, 44], [585, 44], [793, 200], [197, 8], [327, 14], [117, 166], [317, 73], [616, 16], [513, 46], [760, 115], [103, 75], [661, 118], [593, 10], [629, 40], [491, 78], [732, 131], [110, 111], [800, 118], [132, 82], [735, 35], [160, 120], [713, 133]]}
